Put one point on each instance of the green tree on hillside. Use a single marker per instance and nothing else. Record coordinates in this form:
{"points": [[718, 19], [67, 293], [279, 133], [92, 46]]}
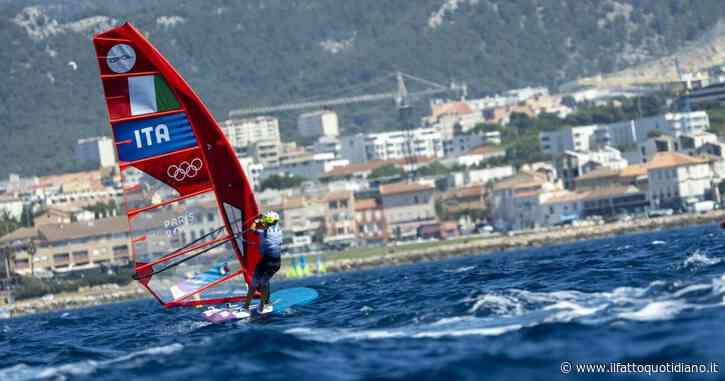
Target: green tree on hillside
{"points": [[387, 170], [281, 182]]}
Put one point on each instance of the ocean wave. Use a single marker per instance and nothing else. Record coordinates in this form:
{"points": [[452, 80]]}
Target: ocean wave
{"points": [[449, 327], [661, 310], [23, 372]]}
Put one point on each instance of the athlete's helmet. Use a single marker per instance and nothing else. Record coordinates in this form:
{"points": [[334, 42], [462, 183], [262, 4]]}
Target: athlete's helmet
{"points": [[270, 217]]}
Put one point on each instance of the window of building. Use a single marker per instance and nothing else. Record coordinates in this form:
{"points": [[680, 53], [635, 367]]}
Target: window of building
{"points": [[81, 257], [61, 259], [120, 252]]}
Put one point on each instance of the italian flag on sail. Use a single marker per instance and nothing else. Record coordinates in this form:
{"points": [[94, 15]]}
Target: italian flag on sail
{"points": [[139, 95], [150, 93]]}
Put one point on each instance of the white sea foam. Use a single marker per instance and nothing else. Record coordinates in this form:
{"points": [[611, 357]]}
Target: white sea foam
{"points": [[662, 310], [698, 259], [461, 269], [516, 309], [499, 304], [23, 372], [453, 327], [492, 331]]}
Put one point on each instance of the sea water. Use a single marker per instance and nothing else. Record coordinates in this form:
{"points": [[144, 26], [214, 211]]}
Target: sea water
{"points": [[644, 299]]}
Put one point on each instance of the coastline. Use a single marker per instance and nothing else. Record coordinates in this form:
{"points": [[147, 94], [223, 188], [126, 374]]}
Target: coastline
{"points": [[392, 256]]}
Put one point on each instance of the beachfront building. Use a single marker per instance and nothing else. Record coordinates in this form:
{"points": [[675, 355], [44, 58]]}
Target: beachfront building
{"points": [[465, 201], [74, 246], [370, 220], [613, 200], [515, 202], [361, 148], [303, 221], [407, 206], [340, 226], [677, 180], [318, 123]]}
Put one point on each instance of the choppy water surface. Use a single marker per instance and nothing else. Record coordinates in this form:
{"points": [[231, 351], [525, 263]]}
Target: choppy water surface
{"points": [[648, 298]]}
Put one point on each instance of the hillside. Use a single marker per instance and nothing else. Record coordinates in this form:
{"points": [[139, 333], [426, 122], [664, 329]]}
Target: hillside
{"points": [[273, 51]]}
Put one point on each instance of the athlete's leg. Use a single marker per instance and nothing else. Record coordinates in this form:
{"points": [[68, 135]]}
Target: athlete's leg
{"points": [[250, 295]]}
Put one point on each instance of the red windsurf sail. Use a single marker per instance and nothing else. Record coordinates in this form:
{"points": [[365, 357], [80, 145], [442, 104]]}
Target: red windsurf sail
{"points": [[188, 200]]}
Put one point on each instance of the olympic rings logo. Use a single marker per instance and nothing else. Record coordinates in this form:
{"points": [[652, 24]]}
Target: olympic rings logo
{"points": [[185, 169]]}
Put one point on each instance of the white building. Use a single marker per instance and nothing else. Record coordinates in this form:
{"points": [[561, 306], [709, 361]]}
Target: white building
{"points": [[516, 202], [309, 166], [677, 180], [318, 123], [99, 150], [327, 144], [11, 206], [361, 148], [567, 139], [585, 138], [572, 164], [252, 169], [478, 176], [245, 132]]}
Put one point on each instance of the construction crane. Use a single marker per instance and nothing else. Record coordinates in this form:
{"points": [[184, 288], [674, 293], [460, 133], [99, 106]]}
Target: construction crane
{"points": [[401, 97]]}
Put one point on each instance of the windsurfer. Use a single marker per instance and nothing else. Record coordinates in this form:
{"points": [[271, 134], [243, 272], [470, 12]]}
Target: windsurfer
{"points": [[267, 227]]}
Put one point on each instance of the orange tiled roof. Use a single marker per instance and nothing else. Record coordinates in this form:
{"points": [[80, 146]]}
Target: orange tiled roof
{"points": [[673, 159], [599, 173], [521, 180], [473, 191], [610, 191], [404, 187], [485, 149], [352, 169], [293, 202], [450, 108], [565, 196], [338, 195], [365, 204], [634, 170]]}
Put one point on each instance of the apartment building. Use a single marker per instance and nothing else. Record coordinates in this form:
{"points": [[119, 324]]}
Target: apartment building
{"points": [[406, 207], [340, 226], [318, 123], [74, 246], [572, 164], [677, 180], [361, 148], [626, 133], [99, 150], [370, 219], [242, 133]]}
